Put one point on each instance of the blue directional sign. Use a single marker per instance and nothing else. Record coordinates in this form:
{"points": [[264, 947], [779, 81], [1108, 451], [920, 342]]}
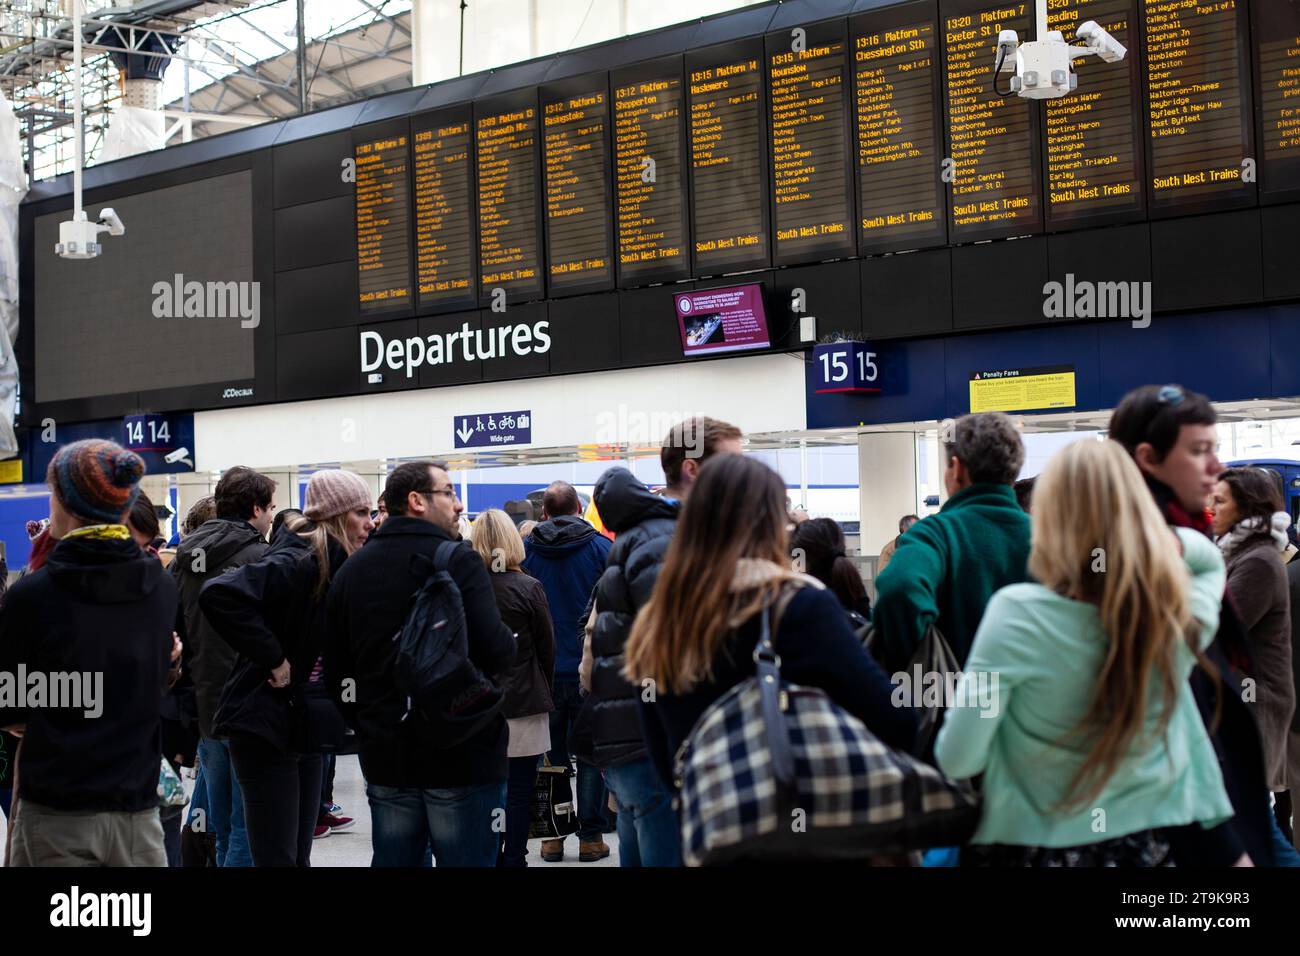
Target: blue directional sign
{"points": [[846, 367], [493, 429]]}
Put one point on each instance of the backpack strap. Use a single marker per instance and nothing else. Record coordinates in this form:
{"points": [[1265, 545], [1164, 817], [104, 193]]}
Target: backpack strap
{"points": [[442, 557]]}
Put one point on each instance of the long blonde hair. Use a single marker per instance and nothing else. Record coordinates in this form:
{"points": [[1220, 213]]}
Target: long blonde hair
{"points": [[736, 510], [1098, 537], [316, 534], [497, 541]]}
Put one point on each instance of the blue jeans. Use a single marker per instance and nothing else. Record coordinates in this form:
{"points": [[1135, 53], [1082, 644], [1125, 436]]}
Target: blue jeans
{"points": [[225, 804], [1284, 854], [648, 833], [591, 788], [199, 798], [463, 824]]}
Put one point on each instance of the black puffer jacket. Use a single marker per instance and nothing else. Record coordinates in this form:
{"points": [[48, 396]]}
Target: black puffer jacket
{"points": [[268, 612], [643, 525], [521, 599], [224, 545]]}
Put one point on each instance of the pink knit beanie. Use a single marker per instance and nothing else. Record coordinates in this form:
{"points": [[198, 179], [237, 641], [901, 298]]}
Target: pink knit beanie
{"points": [[334, 492]]}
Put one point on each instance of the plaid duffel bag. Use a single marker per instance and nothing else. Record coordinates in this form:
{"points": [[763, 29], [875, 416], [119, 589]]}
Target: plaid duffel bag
{"points": [[774, 771]]}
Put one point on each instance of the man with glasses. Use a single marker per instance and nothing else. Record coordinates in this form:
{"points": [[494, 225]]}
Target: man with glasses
{"points": [[451, 798]]}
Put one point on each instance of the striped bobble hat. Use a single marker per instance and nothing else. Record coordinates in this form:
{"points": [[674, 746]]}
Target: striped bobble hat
{"points": [[334, 492], [96, 480]]}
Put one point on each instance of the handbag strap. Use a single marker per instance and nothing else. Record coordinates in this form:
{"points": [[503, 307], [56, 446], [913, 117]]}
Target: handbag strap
{"points": [[768, 670]]}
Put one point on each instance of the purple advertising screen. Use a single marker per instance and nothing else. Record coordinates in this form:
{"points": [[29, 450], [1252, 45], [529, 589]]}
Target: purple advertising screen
{"points": [[722, 320]]}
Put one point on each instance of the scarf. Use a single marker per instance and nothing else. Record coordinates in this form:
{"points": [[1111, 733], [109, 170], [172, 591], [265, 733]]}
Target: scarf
{"points": [[100, 532], [1249, 529], [751, 574]]}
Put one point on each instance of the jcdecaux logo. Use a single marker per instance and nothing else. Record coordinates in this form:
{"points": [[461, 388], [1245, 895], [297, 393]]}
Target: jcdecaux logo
{"points": [[445, 348]]}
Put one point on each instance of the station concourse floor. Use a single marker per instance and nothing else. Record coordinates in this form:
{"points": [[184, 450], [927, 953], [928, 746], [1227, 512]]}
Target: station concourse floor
{"points": [[352, 847]]}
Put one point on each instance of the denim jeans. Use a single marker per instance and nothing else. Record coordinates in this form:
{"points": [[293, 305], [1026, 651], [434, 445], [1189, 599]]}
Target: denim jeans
{"points": [[648, 833], [281, 794], [1284, 854], [198, 799], [591, 788], [463, 824], [225, 804], [519, 810]]}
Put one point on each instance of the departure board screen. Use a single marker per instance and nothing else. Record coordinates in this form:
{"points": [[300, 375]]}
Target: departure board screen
{"points": [[509, 250], [992, 139], [575, 155], [895, 65], [1277, 37], [650, 194], [444, 217], [1093, 146], [383, 223], [728, 174], [812, 188], [1199, 118]]}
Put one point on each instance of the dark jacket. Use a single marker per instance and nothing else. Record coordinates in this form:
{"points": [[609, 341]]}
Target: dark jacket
{"points": [[817, 649], [367, 605], [946, 568], [268, 612], [643, 525], [527, 684], [1293, 586], [567, 555], [1257, 584], [1232, 731], [223, 545], [96, 606]]}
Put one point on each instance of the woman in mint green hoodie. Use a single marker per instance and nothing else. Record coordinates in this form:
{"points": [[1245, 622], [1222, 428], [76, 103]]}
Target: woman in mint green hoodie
{"points": [[1074, 704]]}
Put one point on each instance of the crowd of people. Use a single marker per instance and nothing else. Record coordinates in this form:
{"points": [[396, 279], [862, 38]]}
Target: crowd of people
{"points": [[1130, 609]]}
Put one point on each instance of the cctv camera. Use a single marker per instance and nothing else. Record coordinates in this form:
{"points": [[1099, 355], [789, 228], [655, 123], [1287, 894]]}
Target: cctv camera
{"points": [[1096, 40], [180, 454], [108, 217]]}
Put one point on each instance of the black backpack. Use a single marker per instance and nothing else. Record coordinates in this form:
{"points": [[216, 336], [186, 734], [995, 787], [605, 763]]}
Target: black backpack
{"points": [[445, 690]]}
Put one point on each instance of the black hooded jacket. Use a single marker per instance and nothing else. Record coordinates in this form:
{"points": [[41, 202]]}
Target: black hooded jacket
{"points": [[218, 546], [643, 525], [97, 606], [268, 611]]}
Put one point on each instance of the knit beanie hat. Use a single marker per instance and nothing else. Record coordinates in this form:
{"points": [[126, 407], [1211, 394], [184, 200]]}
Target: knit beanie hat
{"points": [[96, 480], [334, 492]]}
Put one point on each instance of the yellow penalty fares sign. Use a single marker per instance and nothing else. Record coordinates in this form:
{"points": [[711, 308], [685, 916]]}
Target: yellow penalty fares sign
{"points": [[1022, 389]]}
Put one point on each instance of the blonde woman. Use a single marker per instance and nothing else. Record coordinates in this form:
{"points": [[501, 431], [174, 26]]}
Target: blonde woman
{"points": [[1074, 702], [271, 613], [527, 685]]}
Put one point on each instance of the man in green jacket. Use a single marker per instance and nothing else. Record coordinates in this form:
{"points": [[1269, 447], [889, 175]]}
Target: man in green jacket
{"points": [[948, 565]]}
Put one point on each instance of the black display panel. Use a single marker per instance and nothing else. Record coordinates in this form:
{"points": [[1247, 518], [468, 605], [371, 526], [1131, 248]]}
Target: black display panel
{"points": [[896, 98], [383, 219], [812, 175], [1277, 53], [446, 272], [575, 154], [1199, 109], [730, 212], [1094, 145], [510, 250], [650, 192], [992, 139]]}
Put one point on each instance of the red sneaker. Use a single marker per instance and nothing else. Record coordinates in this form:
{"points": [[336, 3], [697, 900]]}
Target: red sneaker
{"points": [[321, 831], [333, 822]]}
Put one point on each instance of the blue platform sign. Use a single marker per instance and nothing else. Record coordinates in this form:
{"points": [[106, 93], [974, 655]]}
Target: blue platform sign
{"points": [[493, 429], [846, 367], [165, 442]]}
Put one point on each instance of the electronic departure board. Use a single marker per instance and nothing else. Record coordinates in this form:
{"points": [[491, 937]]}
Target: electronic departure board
{"points": [[1198, 93], [992, 139], [509, 229], [1094, 145], [650, 195], [1277, 38], [812, 185], [575, 154], [896, 95], [729, 205], [445, 243], [383, 224]]}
